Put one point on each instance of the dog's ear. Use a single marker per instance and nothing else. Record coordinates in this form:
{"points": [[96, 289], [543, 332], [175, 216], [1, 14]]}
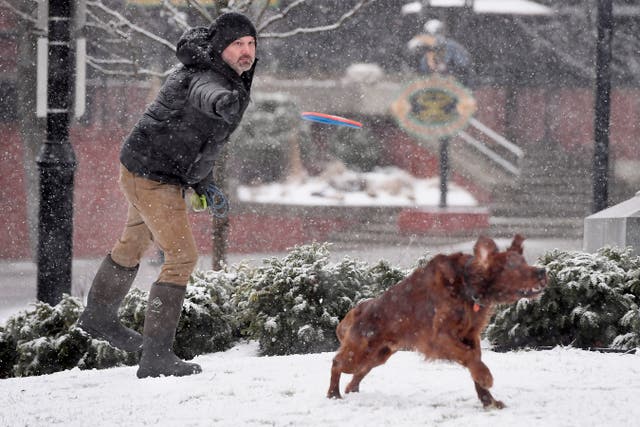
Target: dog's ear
{"points": [[516, 245], [483, 251]]}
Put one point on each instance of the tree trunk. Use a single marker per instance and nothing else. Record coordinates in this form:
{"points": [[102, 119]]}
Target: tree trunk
{"points": [[296, 168], [220, 225]]}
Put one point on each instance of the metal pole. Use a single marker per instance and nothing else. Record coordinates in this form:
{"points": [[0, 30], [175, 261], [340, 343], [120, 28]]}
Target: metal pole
{"points": [[602, 105], [57, 162], [444, 171]]}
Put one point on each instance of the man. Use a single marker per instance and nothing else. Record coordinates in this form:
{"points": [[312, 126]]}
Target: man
{"points": [[172, 147], [433, 52]]}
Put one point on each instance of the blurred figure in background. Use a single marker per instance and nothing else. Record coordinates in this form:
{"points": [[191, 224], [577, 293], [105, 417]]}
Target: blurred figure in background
{"points": [[433, 52]]}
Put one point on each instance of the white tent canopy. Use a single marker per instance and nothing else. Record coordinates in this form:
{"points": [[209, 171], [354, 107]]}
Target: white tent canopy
{"points": [[506, 7]]}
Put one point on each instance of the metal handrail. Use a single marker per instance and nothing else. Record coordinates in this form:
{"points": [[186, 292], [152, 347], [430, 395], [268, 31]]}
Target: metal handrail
{"points": [[496, 137], [495, 157]]}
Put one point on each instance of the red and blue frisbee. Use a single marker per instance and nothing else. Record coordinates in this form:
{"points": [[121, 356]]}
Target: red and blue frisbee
{"points": [[330, 119]]}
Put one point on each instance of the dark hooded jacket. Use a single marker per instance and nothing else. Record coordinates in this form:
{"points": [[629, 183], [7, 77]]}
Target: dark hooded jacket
{"points": [[180, 134]]}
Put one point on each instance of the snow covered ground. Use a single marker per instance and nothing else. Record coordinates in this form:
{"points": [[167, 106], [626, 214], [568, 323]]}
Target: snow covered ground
{"points": [[388, 186], [559, 387]]}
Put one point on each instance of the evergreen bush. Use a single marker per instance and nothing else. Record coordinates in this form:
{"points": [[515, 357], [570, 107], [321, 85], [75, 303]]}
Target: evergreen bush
{"points": [[207, 321], [293, 305], [591, 300], [44, 340], [358, 149]]}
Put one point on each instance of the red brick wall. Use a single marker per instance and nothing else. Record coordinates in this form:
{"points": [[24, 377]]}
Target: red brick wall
{"points": [[625, 124], [14, 239], [570, 115]]}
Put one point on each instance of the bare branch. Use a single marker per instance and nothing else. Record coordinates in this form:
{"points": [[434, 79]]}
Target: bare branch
{"points": [[98, 65], [105, 26], [275, 18], [569, 58], [22, 15], [133, 27], [201, 10], [263, 9], [239, 5], [176, 15], [321, 28]]}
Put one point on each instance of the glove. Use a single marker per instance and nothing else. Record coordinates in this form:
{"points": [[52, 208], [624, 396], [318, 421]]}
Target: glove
{"points": [[228, 106], [213, 199]]}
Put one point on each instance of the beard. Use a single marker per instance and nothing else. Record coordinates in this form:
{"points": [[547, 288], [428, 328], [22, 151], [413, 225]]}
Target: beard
{"points": [[241, 64], [245, 62]]}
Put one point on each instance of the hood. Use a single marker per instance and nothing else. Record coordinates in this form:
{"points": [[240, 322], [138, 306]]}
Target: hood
{"points": [[194, 47]]}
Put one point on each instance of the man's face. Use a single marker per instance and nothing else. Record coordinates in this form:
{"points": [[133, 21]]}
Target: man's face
{"points": [[240, 54]]}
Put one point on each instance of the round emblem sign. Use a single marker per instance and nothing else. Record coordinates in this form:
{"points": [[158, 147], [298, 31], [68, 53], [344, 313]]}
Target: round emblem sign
{"points": [[433, 108]]}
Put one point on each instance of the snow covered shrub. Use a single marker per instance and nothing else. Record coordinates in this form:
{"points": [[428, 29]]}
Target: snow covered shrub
{"points": [[358, 149], [591, 300], [207, 322], [133, 309], [293, 305], [44, 339]]}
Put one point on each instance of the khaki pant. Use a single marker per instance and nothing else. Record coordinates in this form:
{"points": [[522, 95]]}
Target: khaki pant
{"points": [[157, 212]]}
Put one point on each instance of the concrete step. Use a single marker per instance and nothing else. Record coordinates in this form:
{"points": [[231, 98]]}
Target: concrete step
{"points": [[558, 227], [387, 232], [539, 210], [552, 184]]}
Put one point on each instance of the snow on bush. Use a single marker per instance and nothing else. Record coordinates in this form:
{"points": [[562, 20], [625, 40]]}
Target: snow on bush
{"points": [[591, 300], [360, 150], [290, 306], [293, 305], [44, 339]]}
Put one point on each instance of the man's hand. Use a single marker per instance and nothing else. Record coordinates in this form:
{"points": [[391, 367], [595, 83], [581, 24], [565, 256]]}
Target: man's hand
{"points": [[213, 199], [228, 106]]}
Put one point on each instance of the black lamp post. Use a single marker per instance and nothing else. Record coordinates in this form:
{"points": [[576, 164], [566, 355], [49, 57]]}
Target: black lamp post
{"points": [[57, 161], [602, 105]]}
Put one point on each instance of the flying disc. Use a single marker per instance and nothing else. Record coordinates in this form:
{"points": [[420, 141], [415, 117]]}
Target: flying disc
{"points": [[330, 119]]}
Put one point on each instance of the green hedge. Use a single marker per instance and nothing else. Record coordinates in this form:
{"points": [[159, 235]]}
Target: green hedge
{"points": [[293, 305], [591, 300]]}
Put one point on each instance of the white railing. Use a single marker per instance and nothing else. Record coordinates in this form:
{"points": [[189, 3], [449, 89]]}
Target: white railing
{"points": [[490, 153]]}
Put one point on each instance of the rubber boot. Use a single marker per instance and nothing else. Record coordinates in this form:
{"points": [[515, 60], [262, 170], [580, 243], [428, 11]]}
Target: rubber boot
{"points": [[160, 323], [100, 318]]}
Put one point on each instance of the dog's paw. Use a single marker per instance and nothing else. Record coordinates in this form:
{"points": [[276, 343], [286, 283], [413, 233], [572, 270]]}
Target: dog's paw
{"points": [[353, 389], [493, 404], [334, 394]]}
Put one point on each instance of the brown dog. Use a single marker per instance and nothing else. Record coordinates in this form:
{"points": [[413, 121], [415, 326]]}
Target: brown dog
{"points": [[439, 310]]}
